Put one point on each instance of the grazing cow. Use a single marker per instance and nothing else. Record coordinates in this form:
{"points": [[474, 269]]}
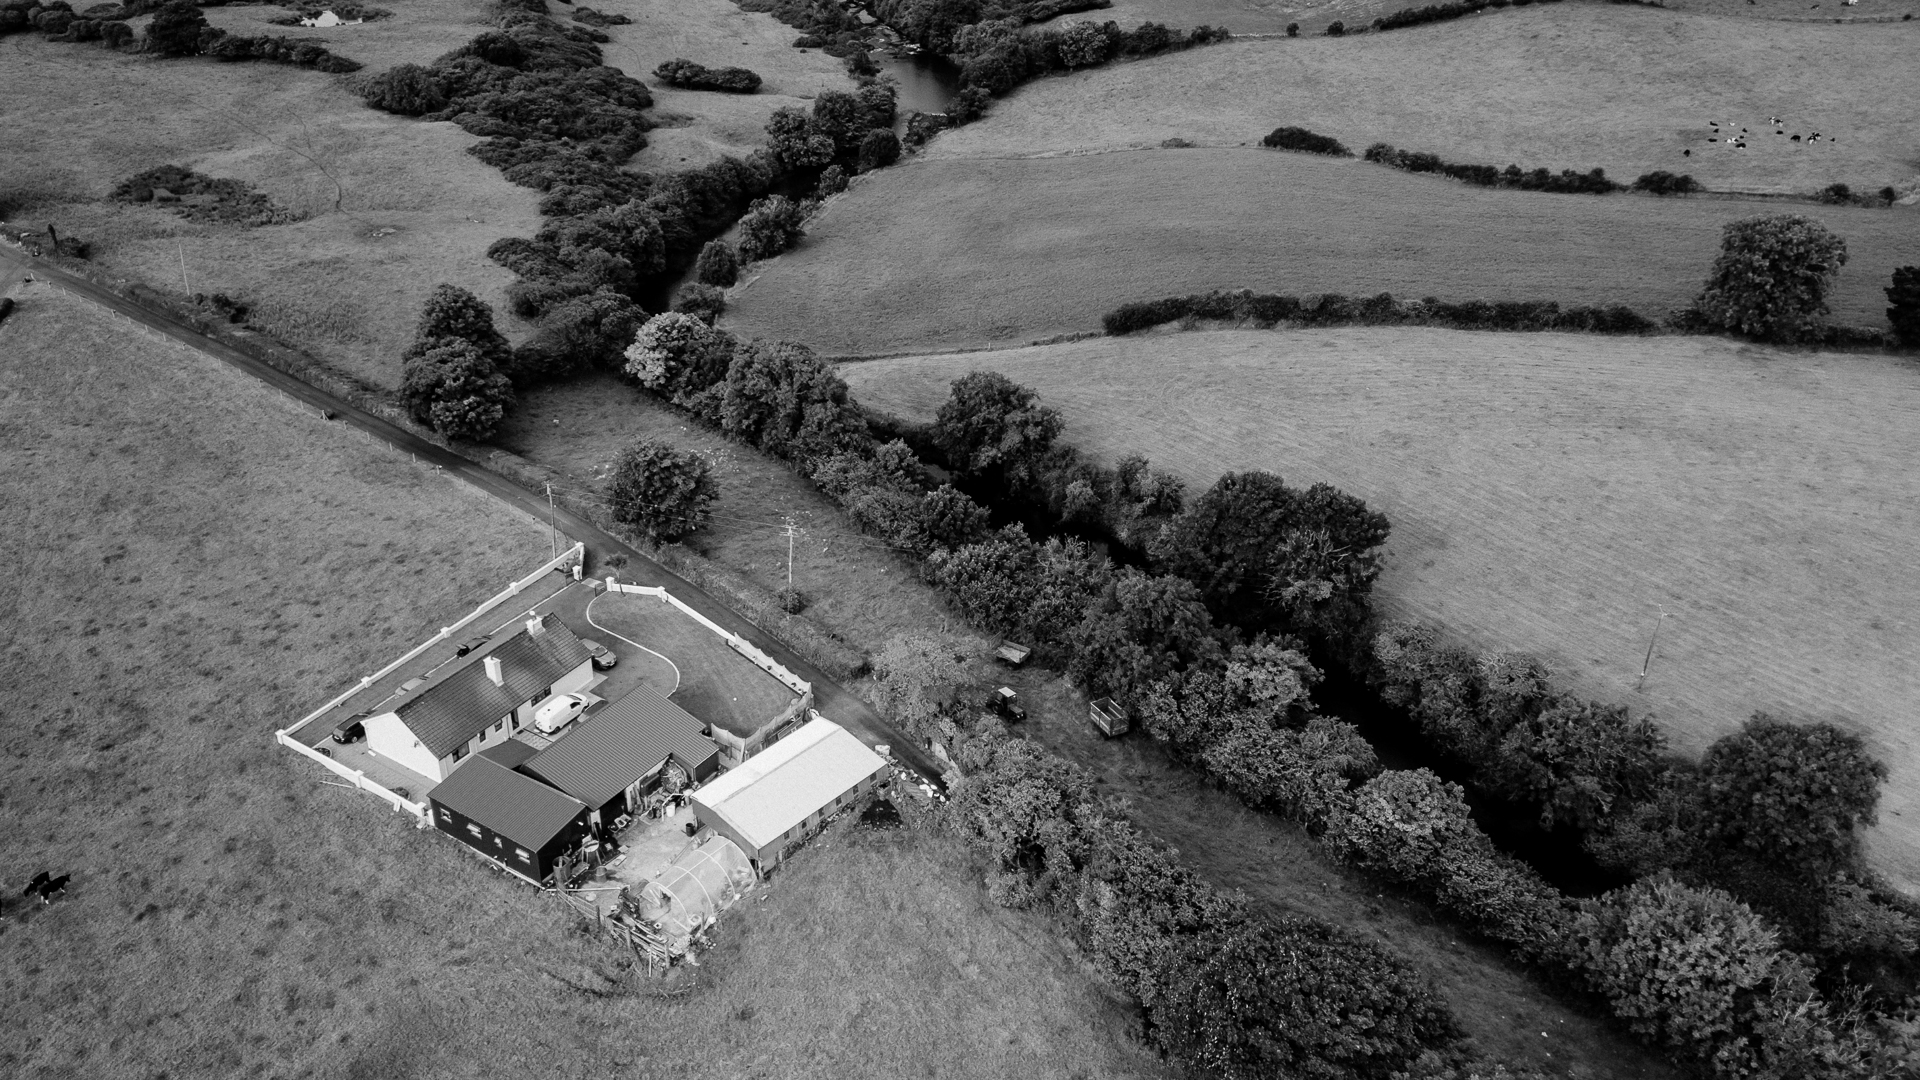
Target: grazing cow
{"points": [[33, 887], [1796, 138], [1686, 153], [54, 888]]}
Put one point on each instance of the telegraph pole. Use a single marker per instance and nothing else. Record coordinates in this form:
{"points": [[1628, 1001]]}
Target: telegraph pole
{"points": [[182, 249], [790, 535], [552, 530]]}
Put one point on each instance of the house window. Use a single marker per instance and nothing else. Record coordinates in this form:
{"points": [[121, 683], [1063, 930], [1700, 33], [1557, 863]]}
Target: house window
{"points": [[542, 695], [459, 752], [498, 724], [474, 829], [446, 815], [523, 855]]}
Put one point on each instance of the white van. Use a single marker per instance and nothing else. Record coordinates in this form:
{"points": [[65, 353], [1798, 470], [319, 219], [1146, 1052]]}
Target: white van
{"points": [[559, 711]]}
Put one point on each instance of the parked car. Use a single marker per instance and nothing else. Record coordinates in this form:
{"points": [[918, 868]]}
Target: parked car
{"points": [[470, 644], [559, 711], [603, 657], [411, 685], [351, 729]]}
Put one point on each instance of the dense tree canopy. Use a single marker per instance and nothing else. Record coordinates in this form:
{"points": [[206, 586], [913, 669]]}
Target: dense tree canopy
{"points": [[1791, 794], [663, 492], [992, 426], [1772, 277]]}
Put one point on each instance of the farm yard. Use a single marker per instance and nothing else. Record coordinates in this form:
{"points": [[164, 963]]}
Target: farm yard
{"points": [[192, 563], [1564, 86], [955, 254], [1557, 493]]}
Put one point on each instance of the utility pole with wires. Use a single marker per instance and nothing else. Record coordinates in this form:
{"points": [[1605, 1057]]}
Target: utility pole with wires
{"points": [[553, 530], [791, 533], [182, 249]]}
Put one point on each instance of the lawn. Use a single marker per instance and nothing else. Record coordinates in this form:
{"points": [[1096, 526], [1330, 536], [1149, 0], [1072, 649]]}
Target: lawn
{"points": [[1557, 493], [191, 562], [956, 254], [1564, 86]]}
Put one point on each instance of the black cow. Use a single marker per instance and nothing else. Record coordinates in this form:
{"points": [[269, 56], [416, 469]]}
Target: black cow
{"points": [[54, 888], [33, 887]]}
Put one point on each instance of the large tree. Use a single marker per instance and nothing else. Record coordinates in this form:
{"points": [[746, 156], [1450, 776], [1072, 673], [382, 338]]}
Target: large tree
{"points": [[992, 427], [1141, 628], [1903, 311], [456, 390], [1772, 277], [176, 29], [785, 400], [453, 313]]}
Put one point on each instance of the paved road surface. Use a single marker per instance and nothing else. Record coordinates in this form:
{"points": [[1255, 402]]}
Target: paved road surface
{"points": [[831, 699]]}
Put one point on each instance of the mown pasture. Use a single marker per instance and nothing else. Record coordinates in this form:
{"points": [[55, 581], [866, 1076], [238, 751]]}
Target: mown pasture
{"points": [[1558, 494], [1561, 86], [192, 562], [966, 253]]}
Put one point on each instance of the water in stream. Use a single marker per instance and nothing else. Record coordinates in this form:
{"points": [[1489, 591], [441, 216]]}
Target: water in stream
{"points": [[927, 82]]}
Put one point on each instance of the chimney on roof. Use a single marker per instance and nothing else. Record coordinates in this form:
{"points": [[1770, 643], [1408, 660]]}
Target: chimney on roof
{"points": [[536, 626], [493, 671]]}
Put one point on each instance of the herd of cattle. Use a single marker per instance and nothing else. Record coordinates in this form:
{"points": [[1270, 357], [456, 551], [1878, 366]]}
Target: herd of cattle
{"points": [[46, 886]]}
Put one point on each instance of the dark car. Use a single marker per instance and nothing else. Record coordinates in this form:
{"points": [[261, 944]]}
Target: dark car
{"points": [[351, 729], [603, 657]]}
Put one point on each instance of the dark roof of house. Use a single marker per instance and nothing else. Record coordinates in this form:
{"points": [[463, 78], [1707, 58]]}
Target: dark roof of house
{"points": [[605, 754], [510, 753], [459, 701], [520, 808]]}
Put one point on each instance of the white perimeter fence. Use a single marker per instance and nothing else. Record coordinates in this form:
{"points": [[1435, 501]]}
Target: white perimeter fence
{"points": [[735, 641]]}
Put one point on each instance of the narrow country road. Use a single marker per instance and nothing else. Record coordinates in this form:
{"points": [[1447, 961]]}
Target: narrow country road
{"points": [[831, 699]]}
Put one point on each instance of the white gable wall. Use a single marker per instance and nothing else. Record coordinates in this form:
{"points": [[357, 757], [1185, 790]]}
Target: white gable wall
{"points": [[389, 736]]}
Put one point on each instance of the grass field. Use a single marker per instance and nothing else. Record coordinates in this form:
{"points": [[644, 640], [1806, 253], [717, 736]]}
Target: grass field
{"points": [[960, 254], [1566, 86], [1557, 493], [865, 592], [393, 205], [190, 563]]}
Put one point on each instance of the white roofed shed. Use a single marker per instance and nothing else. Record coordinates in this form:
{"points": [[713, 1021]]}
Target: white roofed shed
{"points": [[782, 794]]}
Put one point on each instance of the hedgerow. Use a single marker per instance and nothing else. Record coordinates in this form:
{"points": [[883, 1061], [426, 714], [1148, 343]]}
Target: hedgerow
{"points": [[177, 29], [1334, 309], [1567, 181], [207, 198]]}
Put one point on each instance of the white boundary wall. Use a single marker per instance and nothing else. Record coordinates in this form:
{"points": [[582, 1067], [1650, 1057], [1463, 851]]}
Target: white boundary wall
{"points": [[574, 556]]}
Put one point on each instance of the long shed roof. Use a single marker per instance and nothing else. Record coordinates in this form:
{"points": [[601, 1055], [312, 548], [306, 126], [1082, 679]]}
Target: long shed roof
{"points": [[602, 756], [520, 808], [783, 785], [459, 700]]}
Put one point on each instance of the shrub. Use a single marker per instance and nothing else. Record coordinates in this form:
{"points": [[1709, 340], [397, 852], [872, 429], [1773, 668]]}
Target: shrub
{"points": [[175, 29], [990, 425], [407, 89], [1299, 138], [1293, 29], [1082, 44], [950, 519], [1903, 311], [583, 331], [914, 677], [1792, 795], [703, 301], [1405, 825], [878, 149], [717, 265], [1771, 279], [455, 388], [691, 76], [1292, 997], [1336, 28], [833, 181], [1138, 629], [772, 225], [663, 492], [1700, 973]]}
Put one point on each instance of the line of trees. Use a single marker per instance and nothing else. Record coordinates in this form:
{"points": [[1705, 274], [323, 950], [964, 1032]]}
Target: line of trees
{"points": [[1333, 309], [1567, 181]]}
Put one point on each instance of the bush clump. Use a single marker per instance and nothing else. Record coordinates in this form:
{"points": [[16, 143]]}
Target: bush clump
{"points": [[718, 265], [771, 226], [1661, 182], [688, 75], [452, 374], [1299, 138], [1903, 300], [201, 198]]}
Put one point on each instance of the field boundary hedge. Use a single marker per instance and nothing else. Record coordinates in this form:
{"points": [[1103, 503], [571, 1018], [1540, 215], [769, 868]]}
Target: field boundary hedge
{"points": [[1267, 310]]}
